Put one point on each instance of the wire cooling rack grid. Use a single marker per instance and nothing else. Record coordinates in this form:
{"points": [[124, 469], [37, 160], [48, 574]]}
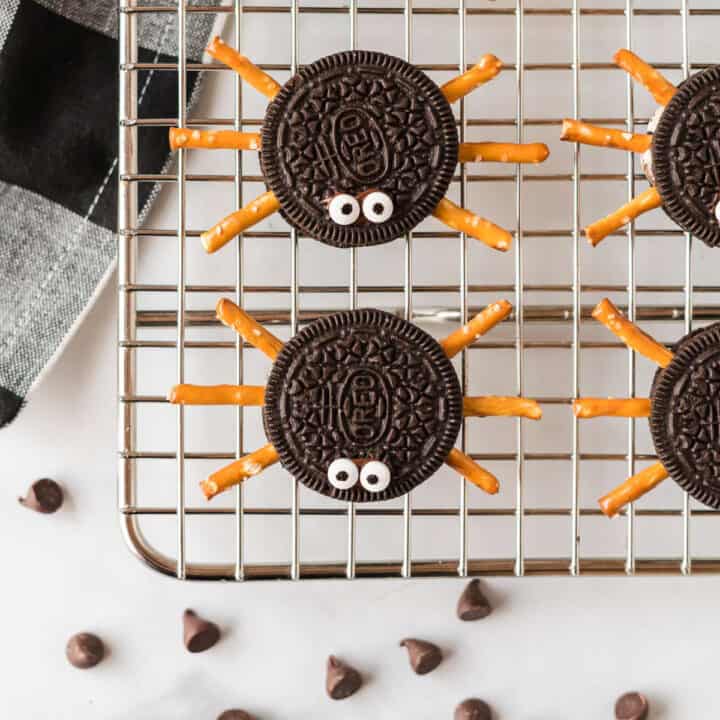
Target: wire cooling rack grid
{"points": [[545, 520]]}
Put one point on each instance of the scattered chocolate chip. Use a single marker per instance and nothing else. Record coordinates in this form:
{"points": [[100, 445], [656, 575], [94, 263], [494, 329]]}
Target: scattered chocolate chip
{"points": [[473, 605], [235, 715], [341, 680], [199, 634], [631, 706], [85, 650], [473, 709], [424, 656], [44, 496]]}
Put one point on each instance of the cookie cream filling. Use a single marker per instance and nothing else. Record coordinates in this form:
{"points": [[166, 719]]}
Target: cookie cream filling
{"points": [[646, 160]]}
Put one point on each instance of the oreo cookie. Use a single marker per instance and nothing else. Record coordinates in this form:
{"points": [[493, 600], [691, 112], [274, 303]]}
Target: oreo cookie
{"points": [[362, 406], [685, 418], [359, 148], [686, 156]]}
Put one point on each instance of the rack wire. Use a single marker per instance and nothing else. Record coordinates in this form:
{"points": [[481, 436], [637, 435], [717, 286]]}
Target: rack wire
{"points": [[549, 316]]}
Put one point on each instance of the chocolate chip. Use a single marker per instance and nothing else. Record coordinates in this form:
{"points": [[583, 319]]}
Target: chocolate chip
{"points": [[473, 709], [44, 496], [84, 650], [631, 706], [341, 680], [199, 634], [424, 656], [235, 715], [472, 604]]}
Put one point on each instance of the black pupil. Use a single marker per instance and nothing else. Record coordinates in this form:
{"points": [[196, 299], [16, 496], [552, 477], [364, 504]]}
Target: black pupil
{"points": [[373, 479], [342, 476], [378, 208], [346, 209]]}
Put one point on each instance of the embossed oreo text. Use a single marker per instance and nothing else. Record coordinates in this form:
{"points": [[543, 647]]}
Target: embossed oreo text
{"points": [[365, 406]]}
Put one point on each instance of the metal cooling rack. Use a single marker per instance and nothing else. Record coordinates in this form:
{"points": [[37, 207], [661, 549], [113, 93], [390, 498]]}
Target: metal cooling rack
{"points": [[549, 316]]}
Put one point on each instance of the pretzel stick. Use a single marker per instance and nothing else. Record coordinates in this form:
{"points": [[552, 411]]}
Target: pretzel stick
{"points": [[247, 327], [486, 69], [484, 321], [632, 489], [493, 405], [606, 313], [576, 131], [611, 407], [217, 395], [236, 472], [503, 152], [213, 139], [646, 201], [464, 221], [471, 471], [657, 85], [252, 74], [235, 223]]}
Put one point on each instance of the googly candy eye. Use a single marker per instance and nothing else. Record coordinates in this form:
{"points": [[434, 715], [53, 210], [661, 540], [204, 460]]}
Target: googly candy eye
{"points": [[377, 207], [717, 211], [342, 473], [344, 209], [375, 476]]}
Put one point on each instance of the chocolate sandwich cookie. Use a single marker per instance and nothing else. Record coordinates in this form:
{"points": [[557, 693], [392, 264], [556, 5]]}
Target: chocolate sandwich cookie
{"points": [[686, 156], [685, 419], [360, 405], [359, 148]]}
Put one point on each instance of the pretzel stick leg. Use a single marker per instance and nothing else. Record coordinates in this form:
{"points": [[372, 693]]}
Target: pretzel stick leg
{"points": [[655, 83], [503, 152], [228, 313], [493, 406], [486, 69], [576, 131], [217, 395], [481, 229], [484, 321], [632, 489], [646, 201], [213, 139], [471, 471], [252, 74], [239, 221], [611, 407], [236, 472], [606, 313]]}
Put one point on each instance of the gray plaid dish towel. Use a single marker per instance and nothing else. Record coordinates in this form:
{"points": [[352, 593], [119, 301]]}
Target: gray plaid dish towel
{"points": [[58, 164]]}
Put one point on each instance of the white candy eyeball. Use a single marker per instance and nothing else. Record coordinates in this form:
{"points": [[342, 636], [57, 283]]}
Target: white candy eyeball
{"points": [[344, 209], [375, 476], [377, 207], [717, 212], [342, 473]]}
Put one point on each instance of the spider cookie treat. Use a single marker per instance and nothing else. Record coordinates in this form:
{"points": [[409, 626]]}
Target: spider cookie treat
{"points": [[680, 152], [360, 406], [683, 408], [357, 149]]}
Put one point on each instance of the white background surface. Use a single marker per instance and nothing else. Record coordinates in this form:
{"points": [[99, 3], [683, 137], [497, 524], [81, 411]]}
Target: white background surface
{"points": [[554, 648]]}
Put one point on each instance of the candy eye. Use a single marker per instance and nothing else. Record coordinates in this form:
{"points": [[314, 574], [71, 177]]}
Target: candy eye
{"points": [[377, 207], [342, 473], [375, 476], [344, 209], [717, 211]]}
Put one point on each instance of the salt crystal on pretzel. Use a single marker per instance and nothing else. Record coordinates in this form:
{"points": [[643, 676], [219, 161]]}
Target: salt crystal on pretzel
{"points": [[213, 139], [576, 131], [236, 472], [249, 72], [631, 334]]}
